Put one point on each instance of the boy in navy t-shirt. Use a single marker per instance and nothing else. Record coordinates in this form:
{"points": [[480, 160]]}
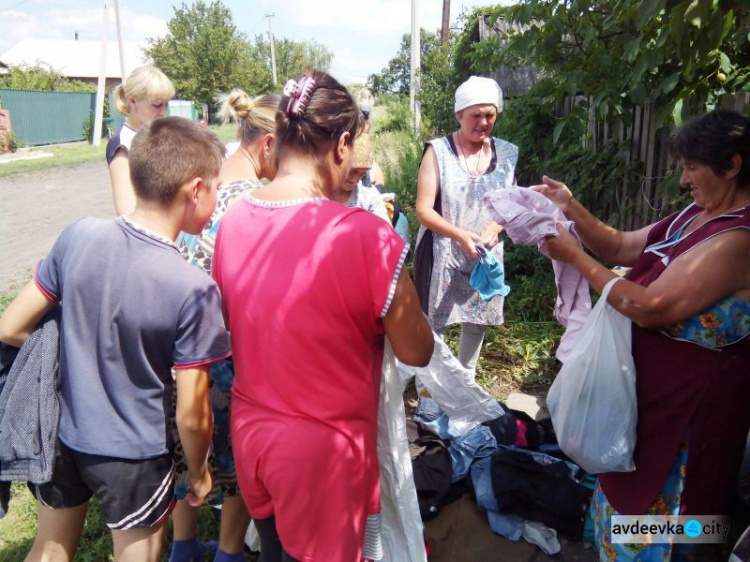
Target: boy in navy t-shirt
{"points": [[133, 309]]}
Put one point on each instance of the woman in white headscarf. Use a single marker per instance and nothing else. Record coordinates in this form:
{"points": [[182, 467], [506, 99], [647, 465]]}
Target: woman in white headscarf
{"points": [[456, 171]]}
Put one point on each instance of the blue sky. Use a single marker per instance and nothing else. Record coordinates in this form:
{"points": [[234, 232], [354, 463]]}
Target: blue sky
{"points": [[363, 34]]}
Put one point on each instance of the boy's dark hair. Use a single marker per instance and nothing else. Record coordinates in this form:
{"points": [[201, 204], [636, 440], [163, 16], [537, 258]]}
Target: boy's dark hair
{"points": [[713, 139], [169, 151], [330, 112]]}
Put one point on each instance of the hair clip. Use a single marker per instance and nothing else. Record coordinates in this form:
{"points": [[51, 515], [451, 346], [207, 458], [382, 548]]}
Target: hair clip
{"points": [[299, 94]]}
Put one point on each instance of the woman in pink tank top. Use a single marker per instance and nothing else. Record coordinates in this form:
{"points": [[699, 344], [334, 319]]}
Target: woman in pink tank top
{"points": [[310, 290]]}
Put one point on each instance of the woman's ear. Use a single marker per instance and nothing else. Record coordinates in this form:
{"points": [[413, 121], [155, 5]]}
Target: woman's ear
{"points": [[268, 143], [343, 146], [735, 167]]}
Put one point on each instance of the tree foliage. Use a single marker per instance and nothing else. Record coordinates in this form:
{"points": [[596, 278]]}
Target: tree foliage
{"points": [[437, 76], [203, 52], [680, 56], [396, 76], [291, 56], [438, 83], [41, 77]]}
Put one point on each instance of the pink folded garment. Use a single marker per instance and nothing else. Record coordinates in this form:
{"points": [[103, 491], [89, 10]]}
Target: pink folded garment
{"points": [[529, 217]]}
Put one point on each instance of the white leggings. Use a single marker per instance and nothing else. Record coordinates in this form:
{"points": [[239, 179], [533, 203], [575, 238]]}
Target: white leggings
{"points": [[469, 344]]}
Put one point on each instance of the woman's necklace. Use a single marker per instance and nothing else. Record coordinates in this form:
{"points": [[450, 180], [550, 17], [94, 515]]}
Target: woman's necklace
{"points": [[475, 174]]}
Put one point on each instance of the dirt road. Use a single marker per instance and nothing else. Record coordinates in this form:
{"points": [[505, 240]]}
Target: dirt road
{"points": [[35, 207]]}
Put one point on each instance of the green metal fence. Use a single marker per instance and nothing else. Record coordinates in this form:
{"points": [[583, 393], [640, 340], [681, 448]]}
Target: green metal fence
{"points": [[48, 117]]}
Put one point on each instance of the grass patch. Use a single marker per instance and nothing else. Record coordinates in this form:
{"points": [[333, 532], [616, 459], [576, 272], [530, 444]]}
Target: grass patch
{"points": [[80, 153], [5, 300], [515, 357], [64, 155], [18, 527], [226, 133]]}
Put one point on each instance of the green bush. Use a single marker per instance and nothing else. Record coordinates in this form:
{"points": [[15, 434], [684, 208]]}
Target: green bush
{"points": [[8, 142], [398, 115], [41, 77]]}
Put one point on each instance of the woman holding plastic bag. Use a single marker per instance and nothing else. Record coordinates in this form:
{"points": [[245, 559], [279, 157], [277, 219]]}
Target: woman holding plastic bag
{"points": [[688, 296]]}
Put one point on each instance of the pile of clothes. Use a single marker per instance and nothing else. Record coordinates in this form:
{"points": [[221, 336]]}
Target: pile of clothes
{"points": [[513, 467]]}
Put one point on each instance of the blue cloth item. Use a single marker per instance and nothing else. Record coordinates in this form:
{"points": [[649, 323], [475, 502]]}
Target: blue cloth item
{"points": [[402, 227], [504, 524], [488, 275], [29, 408], [477, 443], [589, 535], [191, 550], [222, 556], [576, 471], [430, 415]]}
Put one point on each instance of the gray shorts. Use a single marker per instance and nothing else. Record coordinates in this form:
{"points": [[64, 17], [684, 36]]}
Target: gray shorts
{"points": [[132, 493]]}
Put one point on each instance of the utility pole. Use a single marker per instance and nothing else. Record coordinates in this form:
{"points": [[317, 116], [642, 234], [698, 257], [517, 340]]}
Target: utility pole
{"points": [[273, 48], [102, 78], [415, 60], [446, 29], [119, 41]]}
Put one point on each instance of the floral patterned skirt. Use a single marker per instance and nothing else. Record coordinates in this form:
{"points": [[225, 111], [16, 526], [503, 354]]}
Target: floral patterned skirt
{"points": [[667, 503], [221, 458]]}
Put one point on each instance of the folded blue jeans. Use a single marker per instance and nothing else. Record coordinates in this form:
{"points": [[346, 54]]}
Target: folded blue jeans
{"points": [[429, 414], [465, 449], [504, 524]]}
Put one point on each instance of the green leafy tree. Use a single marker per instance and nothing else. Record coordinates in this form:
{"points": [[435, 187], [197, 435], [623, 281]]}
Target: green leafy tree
{"points": [[438, 79], [438, 83], [291, 56], [681, 56], [204, 54], [396, 76]]}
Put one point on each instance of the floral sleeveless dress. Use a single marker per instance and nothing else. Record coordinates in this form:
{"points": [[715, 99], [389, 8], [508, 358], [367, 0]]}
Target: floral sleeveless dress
{"points": [[452, 300]]}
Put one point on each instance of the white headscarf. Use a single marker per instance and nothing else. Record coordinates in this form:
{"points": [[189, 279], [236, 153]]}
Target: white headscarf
{"points": [[478, 90]]}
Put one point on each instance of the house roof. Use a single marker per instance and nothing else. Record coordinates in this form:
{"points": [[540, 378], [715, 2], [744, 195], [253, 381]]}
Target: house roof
{"points": [[74, 59]]}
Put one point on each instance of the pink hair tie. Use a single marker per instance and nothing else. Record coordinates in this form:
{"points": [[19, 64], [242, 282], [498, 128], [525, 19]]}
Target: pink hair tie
{"points": [[299, 94]]}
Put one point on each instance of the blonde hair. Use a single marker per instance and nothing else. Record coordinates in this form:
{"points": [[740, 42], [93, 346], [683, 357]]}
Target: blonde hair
{"points": [[256, 116], [362, 153], [145, 82]]}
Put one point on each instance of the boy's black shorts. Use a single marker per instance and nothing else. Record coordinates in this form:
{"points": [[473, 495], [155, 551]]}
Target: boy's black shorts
{"points": [[132, 493]]}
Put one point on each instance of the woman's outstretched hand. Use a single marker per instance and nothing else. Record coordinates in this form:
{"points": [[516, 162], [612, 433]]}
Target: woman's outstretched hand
{"points": [[490, 234], [555, 191]]}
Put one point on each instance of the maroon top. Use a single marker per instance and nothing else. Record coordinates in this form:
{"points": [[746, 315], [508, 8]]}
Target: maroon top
{"points": [[684, 390]]}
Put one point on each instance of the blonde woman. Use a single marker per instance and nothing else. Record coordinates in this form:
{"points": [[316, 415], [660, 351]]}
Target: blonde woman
{"points": [[240, 173], [144, 96]]}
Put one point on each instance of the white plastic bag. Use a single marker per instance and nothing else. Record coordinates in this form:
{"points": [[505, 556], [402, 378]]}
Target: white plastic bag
{"points": [[401, 524], [454, 389], [252, 538], [592, 401]]}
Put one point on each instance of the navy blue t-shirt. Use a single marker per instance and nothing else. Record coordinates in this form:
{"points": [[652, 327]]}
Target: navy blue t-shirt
{"points": [[121, 139], [132, 309]]}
